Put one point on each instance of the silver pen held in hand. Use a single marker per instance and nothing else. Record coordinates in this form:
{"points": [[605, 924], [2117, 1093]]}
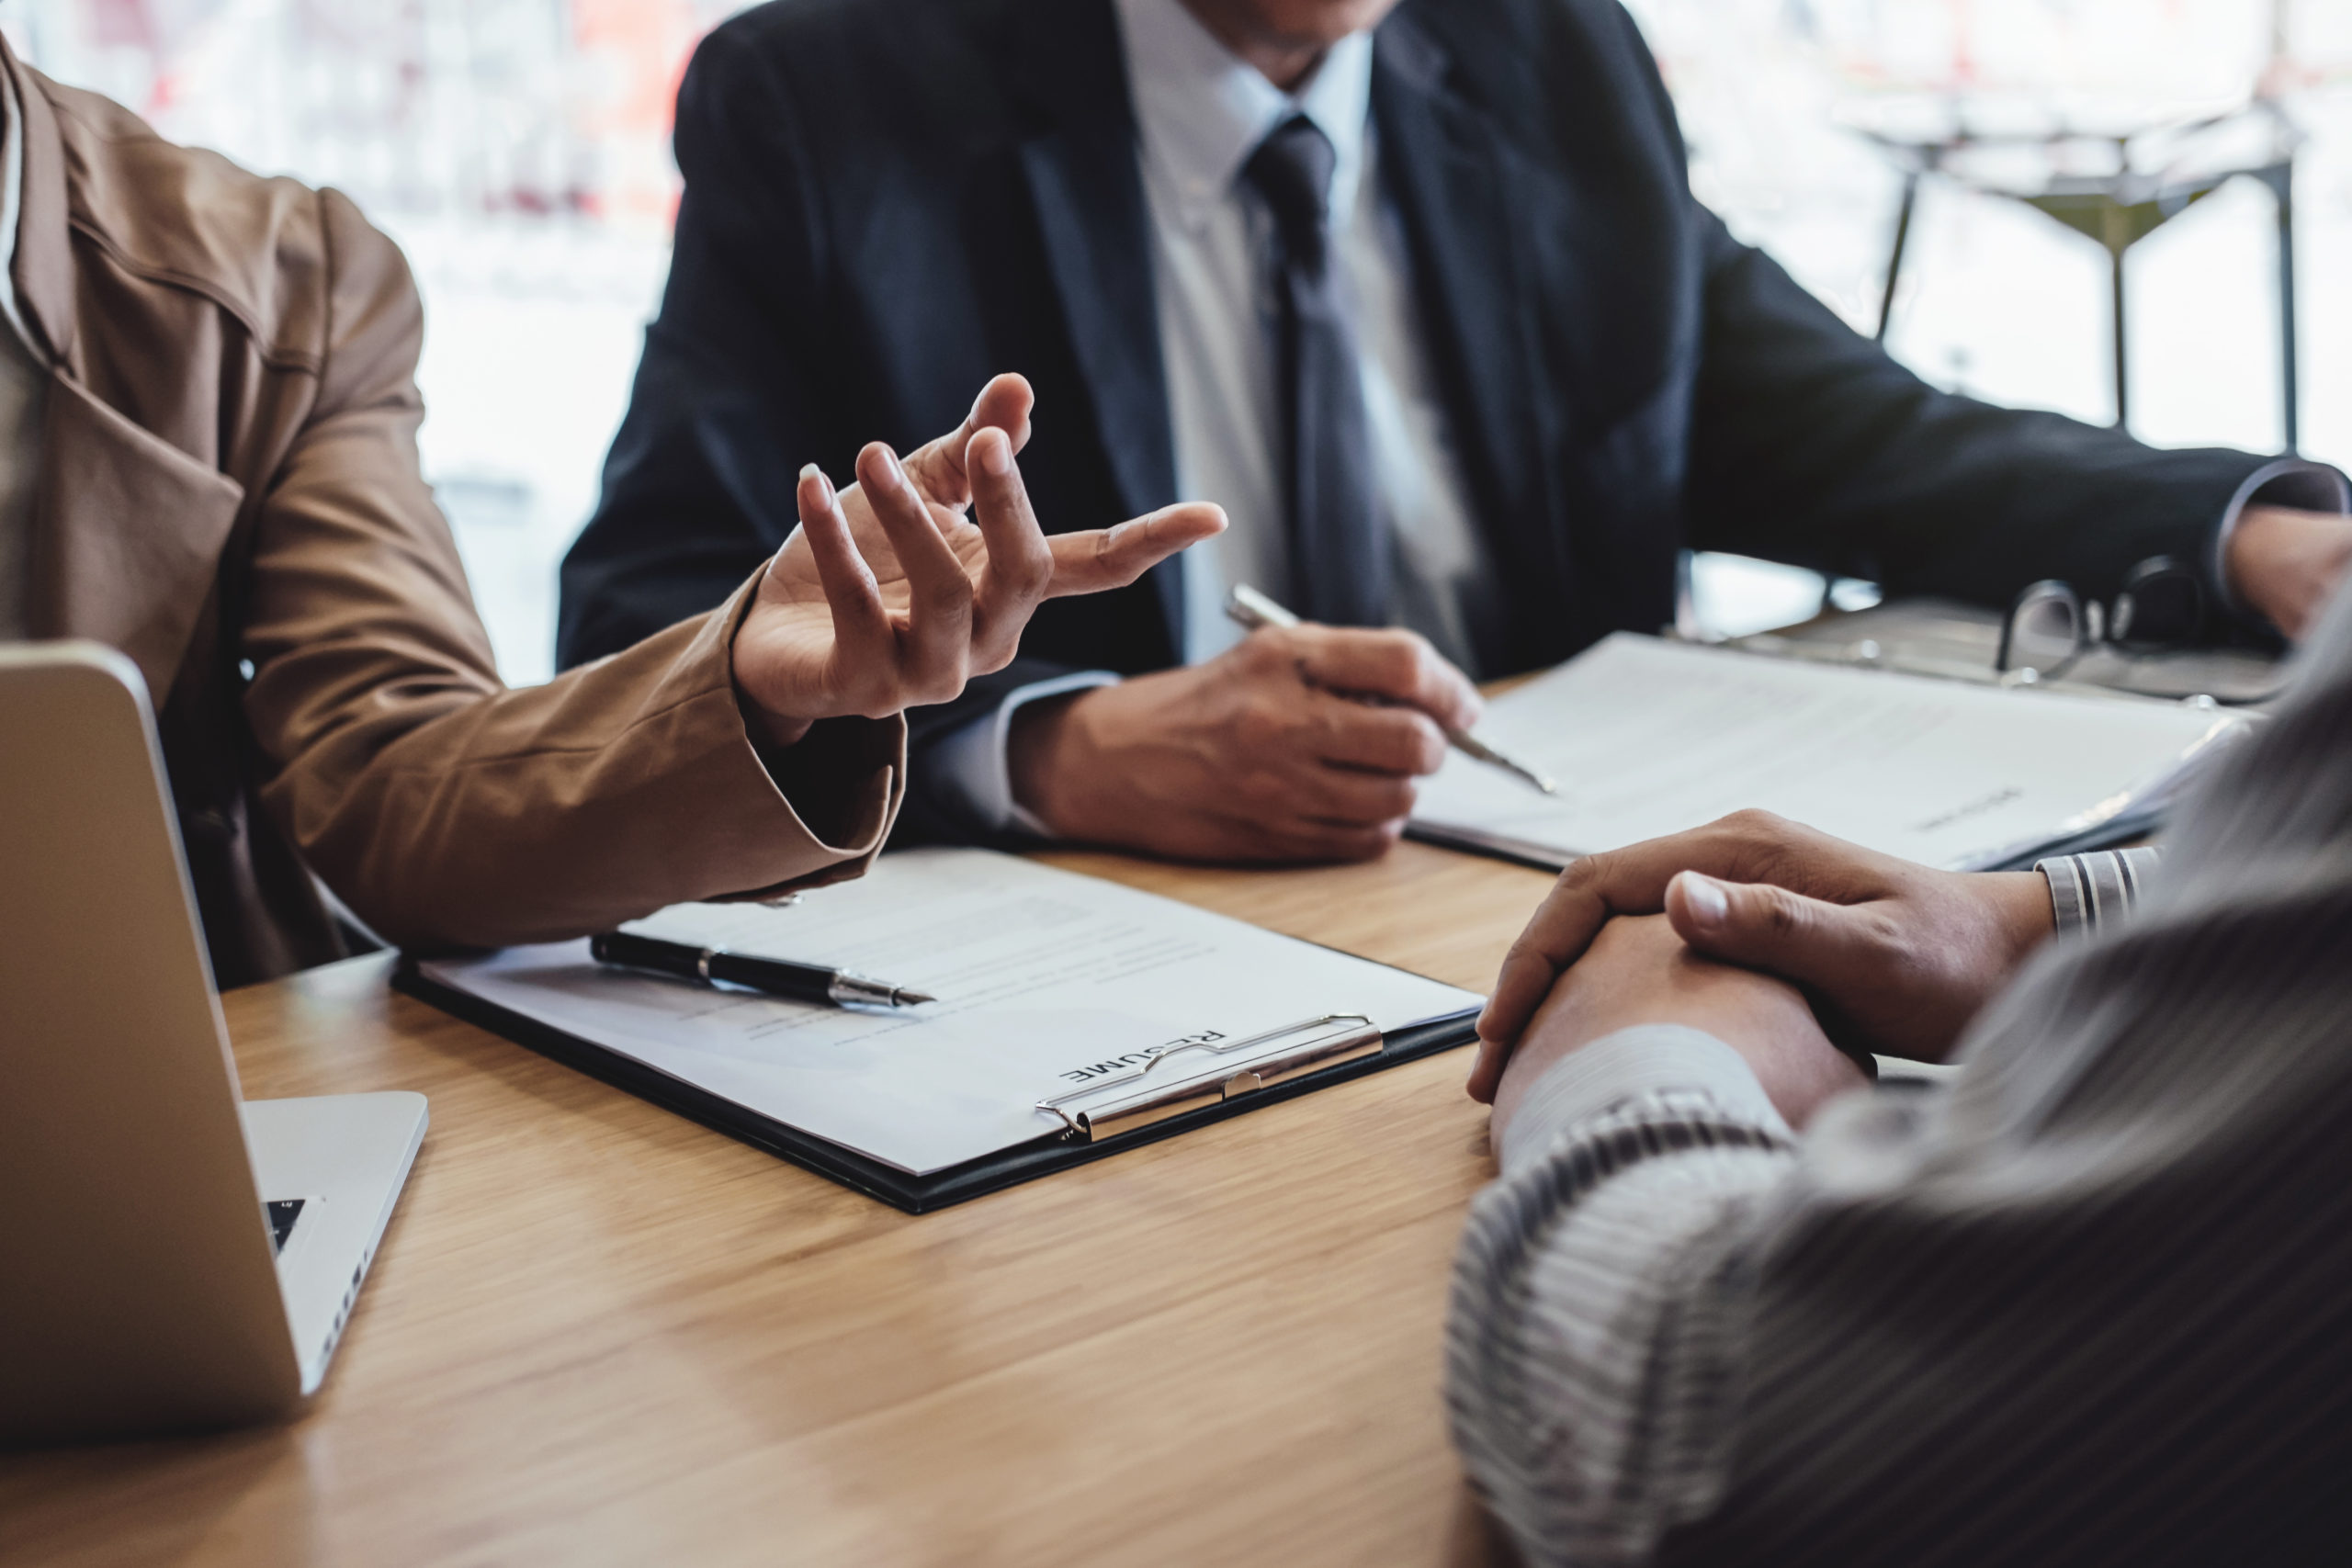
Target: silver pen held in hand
{"points": [[1246, 606]]}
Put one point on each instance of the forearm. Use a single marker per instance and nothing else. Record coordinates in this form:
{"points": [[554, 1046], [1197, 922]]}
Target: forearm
{"points": [[444, 808], [1809, 444], [448, 815], [2282, 552], [1584, 1352]]}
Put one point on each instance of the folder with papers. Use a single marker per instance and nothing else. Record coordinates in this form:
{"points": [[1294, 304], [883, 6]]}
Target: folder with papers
{"points": [[1076, 1018], [1647, 737]]}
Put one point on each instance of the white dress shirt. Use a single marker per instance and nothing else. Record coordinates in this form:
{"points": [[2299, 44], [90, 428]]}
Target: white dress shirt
{"points": [[24, 384], [1201, 111]]}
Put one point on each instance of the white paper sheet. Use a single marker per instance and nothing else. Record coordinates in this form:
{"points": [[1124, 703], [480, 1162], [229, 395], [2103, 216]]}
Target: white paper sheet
{"points": [[1647, 736], [1044, 977]]}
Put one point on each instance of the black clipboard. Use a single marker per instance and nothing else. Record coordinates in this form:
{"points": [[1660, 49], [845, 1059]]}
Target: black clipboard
{"points": [[860, 1173]]}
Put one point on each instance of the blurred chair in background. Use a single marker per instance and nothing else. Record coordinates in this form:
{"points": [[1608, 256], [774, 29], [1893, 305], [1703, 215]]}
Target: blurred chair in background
{"points": [[2156, 174]]}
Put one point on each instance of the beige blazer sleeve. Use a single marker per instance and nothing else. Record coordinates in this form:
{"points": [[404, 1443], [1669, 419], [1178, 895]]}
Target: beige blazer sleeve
{"points": [[444, 808]]}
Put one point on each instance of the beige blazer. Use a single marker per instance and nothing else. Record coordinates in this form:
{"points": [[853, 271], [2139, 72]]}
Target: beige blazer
{"points": [[229, 495]]}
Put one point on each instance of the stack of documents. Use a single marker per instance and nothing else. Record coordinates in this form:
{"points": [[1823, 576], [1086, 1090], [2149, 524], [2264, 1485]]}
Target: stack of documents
{"points": [[1052, 987], [1646, 738]]}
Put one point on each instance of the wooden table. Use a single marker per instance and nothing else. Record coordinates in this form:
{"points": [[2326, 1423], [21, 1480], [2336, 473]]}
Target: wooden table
{"points": [[599, 1334]]}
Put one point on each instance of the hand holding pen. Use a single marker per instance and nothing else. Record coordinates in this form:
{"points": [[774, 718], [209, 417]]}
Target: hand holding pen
{"points": [[1250, 608], [1296, 743]]}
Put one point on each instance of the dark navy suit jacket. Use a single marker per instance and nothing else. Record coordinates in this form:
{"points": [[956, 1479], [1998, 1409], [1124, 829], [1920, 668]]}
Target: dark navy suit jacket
{"points": [[889, 201]]}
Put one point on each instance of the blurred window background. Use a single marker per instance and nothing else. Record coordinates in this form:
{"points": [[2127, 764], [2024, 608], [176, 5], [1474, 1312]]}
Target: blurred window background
{"points": [[518, 150]]}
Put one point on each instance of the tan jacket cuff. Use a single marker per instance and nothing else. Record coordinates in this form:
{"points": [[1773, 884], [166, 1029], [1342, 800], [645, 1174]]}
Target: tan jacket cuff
{"points": [[836, 790]]}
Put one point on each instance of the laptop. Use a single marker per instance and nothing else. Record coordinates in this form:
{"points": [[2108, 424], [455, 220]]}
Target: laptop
{"points": [[172, 1256]]}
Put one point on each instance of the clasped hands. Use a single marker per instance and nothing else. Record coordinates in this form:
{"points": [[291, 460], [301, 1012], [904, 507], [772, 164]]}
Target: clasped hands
{"points": [[887, 596], [1799, 951]]}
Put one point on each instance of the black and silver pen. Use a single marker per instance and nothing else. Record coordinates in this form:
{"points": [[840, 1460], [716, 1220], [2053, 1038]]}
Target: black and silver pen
{"points": [[777, 976]]}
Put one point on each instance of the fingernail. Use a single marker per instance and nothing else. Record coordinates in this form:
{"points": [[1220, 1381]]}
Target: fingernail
{"points": [[812, 471], [1703, 897], [890, 461], [996, 455]]}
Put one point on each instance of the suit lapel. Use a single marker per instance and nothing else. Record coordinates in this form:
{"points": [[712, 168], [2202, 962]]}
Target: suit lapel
{"points": [[127, 535], [1454, 178], [1081, 167]]}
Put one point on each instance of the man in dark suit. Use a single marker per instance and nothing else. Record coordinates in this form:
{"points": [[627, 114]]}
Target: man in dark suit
{"points": [[1417, 292]]}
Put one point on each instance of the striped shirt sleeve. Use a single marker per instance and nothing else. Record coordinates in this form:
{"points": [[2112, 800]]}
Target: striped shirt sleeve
{"points": [[2089, 890], [1623, 1163], [2085, 1306]]}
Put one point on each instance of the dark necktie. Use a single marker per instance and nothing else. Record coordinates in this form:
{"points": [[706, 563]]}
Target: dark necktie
{"points": [[1339, 555]]}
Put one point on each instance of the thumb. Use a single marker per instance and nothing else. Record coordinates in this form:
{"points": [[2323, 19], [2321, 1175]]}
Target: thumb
{"points": [[1759, 926]]}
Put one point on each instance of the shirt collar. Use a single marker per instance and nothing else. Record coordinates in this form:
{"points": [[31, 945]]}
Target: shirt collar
{"points": [[1201, 110]]}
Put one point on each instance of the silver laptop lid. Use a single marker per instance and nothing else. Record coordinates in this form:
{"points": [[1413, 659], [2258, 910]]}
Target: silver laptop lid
{"points": [[137, 1290]]}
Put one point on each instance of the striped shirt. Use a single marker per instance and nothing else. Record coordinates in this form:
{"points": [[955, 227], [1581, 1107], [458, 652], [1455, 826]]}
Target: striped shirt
{"points": [[2091, 1304], [2088, 890]]}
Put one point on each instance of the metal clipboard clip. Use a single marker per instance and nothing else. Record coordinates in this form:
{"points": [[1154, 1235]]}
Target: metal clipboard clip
{"points": [[1153, 1095]]}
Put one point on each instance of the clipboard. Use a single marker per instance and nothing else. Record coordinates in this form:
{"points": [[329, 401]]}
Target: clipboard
{"points": [[1147, 1105]]}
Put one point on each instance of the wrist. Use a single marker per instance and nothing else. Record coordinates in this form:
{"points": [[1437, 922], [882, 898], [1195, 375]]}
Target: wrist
{"points": [[762, 723], [2246, 562], [1529, 1064], [2284, 562], [767, 728], [2023, 911], [1035, 745]]}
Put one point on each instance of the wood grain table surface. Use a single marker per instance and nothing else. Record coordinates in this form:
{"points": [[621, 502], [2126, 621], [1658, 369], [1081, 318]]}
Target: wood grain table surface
{"points": [[600, 1334]]}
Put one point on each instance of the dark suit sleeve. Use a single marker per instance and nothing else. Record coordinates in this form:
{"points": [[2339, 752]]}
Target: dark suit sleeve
{"points": [[699, 482], [1810, 445], [935, 812], [748, 372]]}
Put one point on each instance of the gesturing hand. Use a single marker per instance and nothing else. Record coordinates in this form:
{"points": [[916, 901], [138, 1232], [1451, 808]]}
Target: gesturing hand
{"points": [[1256, 755], [1896, 957], [1637, 971], [886, 597]]}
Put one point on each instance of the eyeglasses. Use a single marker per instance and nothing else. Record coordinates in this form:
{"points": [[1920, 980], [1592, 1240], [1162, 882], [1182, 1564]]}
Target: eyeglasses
{"points": [[2160, 605]]}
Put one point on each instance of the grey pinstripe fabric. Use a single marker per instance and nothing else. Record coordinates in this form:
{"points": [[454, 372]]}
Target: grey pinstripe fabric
{"points": [[2092, 1304], [2088, 890]]}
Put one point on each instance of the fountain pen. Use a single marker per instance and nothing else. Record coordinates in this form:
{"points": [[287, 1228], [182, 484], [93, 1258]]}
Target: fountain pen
{"points": [[777, 976]]}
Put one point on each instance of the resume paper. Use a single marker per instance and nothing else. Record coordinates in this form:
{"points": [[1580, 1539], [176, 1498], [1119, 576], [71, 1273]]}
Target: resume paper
{"points": [[1647, 737]]}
